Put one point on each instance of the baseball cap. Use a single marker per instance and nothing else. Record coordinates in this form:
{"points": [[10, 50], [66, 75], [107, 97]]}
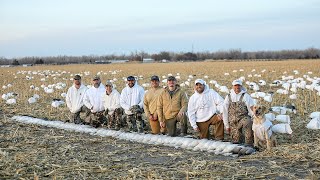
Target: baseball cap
{"points": [[155, 78], [171, 78], [237, 82], [77, 77], [109, 83], [131, 78], [96, 77]]}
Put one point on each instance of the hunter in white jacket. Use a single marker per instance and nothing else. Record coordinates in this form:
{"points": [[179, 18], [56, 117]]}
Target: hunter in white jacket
{"points": [[74, 98], [131, 96], [93, 98], [204, 109], [111, 101]]}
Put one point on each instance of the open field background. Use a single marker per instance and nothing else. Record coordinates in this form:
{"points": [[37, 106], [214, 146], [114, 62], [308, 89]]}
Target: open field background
{"points": [[33, 151]]}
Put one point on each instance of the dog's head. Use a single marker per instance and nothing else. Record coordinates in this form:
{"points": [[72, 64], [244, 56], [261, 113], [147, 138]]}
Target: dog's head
{"points": [[259, 110]]}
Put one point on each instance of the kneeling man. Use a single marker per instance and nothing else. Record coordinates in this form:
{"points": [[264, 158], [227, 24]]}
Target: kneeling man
{"points": [[204, 109]]}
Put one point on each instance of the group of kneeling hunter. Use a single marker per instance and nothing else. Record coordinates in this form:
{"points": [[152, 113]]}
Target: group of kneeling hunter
{"points": [[164, 108]]}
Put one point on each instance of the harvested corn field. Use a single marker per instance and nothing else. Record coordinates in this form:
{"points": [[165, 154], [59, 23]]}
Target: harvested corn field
{"points": [[32, 151]]}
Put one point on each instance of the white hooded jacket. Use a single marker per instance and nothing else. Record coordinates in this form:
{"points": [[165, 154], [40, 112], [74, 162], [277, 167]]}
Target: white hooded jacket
{"points": [[93, 98], [74, 98], [131, 96], [202, 107], [111, 101], [235, 98]]}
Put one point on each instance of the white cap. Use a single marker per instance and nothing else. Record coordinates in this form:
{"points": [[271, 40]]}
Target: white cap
{"points": [[199, 81], [238, 81]]}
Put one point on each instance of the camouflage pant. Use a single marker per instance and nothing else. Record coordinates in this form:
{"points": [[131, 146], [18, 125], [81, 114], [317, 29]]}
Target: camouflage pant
{"points": [[75, 117], [135, 122], [114, 119], [245, 125], [171, 126], [96, 119]]}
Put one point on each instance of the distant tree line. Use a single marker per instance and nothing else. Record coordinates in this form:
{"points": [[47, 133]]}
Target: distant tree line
{"points": [[232, 54]]}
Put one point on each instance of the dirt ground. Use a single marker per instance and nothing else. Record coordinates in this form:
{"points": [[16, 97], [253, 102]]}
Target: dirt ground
{"points": [[36, 152]]}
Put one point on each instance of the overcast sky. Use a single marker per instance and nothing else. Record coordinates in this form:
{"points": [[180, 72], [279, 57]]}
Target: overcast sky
{"points": [[99, 27]]}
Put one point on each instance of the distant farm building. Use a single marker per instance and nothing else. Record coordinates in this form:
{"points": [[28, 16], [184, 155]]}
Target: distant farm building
{"points": [[102, 62], [116, 61], [5, 66], [148, 60], [26, 65]]}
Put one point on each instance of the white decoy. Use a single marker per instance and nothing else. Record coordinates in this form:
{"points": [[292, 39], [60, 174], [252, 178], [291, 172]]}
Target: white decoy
{"points": [[256, 87], [49, 91], [314, 114], [268, 98], [224, 89], [57, 103], [11, 101], [270, 116], [32, 100], [281, 128], [262, 83], [254, 95], [283, 118], [36, 96], [217, 147], [261, 94], [314, 123], [294, 90], [279, 109], [4, 96], [293, 96]]}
